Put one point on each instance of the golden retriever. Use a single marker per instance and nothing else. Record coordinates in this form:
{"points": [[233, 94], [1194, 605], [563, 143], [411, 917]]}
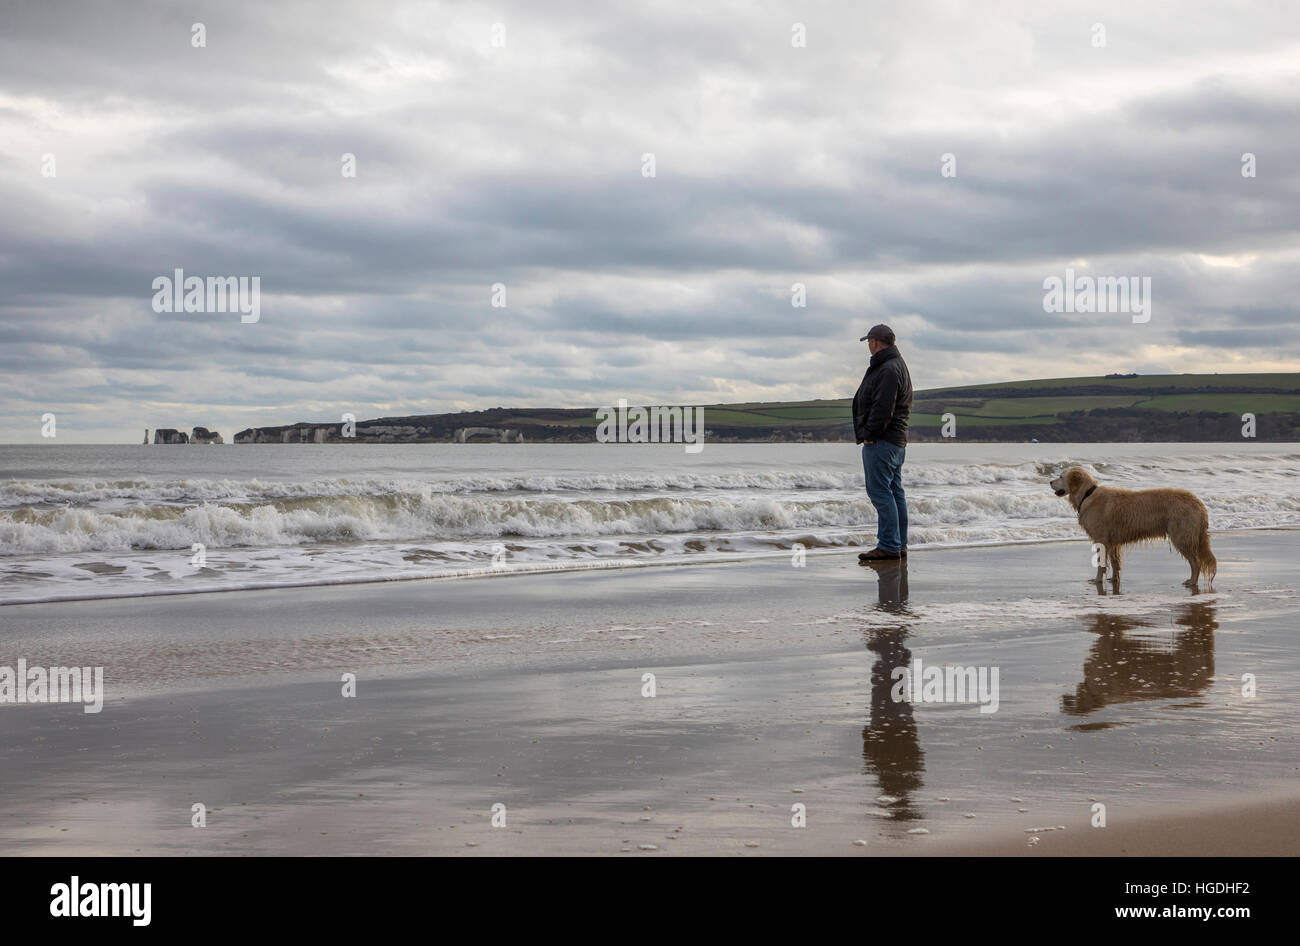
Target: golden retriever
{"points": [[1115, 517]]}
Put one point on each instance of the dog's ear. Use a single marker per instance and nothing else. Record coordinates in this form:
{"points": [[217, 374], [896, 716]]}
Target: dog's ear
{"points": [[1075, 478]]}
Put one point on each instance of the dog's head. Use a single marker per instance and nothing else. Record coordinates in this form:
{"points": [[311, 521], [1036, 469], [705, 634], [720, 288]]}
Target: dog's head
{"points": [[1072, 482]]}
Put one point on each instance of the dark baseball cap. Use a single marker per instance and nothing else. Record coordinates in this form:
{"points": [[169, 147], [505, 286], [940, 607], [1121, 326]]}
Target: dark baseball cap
{"points": [[878, 332]]}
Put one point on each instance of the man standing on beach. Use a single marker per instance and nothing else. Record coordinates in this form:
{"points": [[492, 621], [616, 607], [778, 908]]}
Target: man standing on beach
{"points": [[880, 412]]}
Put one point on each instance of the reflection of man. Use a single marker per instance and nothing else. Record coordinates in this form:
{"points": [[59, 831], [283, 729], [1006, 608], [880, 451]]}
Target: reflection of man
{"points": [[891, 749], [891, 586], [881, 409], [890, 746]]}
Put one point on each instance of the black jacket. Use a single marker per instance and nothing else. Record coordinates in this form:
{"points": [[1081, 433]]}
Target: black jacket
{"points": [[884, 399]]}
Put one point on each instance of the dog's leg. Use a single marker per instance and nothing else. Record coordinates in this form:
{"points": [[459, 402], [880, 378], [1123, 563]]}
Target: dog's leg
{"points": [[1188, 550], [1113, 554], [1192, 540], [1205, 560]]}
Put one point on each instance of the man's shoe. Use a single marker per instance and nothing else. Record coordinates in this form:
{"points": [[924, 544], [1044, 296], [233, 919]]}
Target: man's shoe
{"points": [[879, 555], [903, 553]]}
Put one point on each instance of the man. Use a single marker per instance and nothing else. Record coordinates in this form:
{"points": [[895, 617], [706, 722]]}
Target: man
{"points": [[880, 412]]}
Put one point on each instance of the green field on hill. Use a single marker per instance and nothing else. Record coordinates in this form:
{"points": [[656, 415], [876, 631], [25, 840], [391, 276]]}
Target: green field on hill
{"points": [[1042, 402], [1281, 382], [1118, 408], [1017, 404]]}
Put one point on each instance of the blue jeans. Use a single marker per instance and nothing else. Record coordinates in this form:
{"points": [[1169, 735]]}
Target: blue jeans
{"points": [[882, 462]]}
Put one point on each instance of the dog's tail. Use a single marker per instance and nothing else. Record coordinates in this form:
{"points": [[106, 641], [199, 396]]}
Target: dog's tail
{"points": [[1209, 565]]}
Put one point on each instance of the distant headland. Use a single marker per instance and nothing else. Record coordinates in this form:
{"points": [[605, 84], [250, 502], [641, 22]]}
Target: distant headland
{"points": [[200, 435], [1115, 408]]}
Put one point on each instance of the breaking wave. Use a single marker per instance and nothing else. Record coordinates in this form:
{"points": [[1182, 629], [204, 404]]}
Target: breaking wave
{"points": [[105, 534]]}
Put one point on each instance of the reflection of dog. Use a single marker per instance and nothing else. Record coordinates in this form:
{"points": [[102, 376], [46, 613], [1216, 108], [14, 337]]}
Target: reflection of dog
{"points": [[1129, 663], [1117, 517]]}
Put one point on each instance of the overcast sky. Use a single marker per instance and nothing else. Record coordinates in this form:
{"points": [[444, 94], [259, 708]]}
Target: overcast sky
{"points": [[522, 164]]}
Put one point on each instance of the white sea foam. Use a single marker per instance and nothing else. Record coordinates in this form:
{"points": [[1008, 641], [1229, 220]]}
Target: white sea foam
{"points": [[954, 515], [64, 535]]}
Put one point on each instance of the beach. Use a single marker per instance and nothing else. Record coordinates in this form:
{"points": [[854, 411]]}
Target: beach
{"points": [[459, 430], [772, 679]]}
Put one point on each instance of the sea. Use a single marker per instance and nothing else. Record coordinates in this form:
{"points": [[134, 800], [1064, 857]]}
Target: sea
{"points": [[103, 521]]}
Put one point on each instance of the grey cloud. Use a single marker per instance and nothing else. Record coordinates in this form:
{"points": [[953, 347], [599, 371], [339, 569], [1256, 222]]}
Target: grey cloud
{"points": [[522, 166]]}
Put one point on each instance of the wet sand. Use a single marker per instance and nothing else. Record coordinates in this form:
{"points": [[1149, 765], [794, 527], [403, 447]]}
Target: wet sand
{"points": [[773, 690]]}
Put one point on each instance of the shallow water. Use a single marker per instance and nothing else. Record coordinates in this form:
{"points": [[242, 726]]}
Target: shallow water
{"points": [[773, 687]]}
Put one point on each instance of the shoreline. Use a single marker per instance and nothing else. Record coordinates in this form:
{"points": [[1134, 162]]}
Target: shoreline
{"points": [[1260, 827], [581, 443], [509, 570], [772, 690]]}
